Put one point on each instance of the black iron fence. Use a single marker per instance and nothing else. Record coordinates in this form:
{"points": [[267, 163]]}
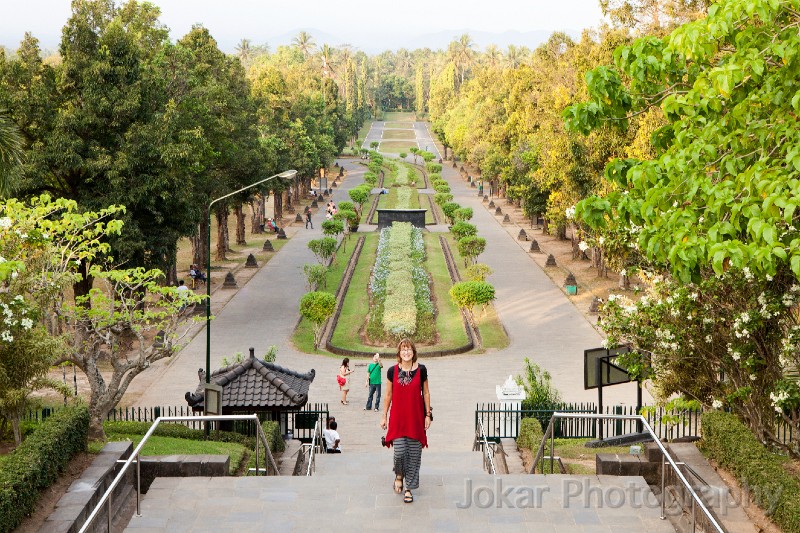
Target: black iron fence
{"points": [[503, 421], [300, 423]]}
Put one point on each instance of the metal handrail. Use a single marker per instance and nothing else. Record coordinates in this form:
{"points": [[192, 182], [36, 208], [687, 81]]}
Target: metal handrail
{"points": [[488, 452], [313, 452], [667, 458], [106, 498]]}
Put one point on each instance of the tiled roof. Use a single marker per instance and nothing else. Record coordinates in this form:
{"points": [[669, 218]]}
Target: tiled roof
{"points": [[256, 383]]}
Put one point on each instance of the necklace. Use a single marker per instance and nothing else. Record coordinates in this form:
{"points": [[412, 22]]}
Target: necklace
{"points": [[404, 377]]}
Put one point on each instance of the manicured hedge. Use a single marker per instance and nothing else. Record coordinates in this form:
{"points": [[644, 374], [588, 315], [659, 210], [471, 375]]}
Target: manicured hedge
{"points": [[38, 461], [273, 432], [727, 441], [530, 434], [178, 431]]}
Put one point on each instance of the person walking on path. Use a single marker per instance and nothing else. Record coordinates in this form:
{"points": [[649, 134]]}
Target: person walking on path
{"points": [[308, 218], [374, 382], [343, 380], [408, 407]]}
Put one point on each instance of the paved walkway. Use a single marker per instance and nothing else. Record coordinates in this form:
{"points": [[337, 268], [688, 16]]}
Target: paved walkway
{"points": [[355, 494], [541, 322]]}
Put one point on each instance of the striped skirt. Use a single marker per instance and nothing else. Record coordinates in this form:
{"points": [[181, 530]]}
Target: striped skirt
{"points": [[407, 460]]}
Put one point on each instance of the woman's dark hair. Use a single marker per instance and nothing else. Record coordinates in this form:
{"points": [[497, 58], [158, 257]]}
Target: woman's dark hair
{"points": [[346, 362], [407, 342]]}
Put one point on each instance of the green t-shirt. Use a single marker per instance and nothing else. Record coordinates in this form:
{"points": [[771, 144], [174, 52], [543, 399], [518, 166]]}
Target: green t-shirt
{"points": [[374, 372]]}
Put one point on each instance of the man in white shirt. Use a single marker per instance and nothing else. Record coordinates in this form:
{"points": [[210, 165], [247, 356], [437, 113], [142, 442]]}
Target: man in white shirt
{"points": [[332, 439], [183, 294]]}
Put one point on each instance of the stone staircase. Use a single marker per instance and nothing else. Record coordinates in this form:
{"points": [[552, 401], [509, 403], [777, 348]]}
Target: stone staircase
{"points": [[353, 492]]}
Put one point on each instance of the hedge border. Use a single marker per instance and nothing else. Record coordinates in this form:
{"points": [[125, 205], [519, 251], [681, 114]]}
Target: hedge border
{"points": [[734, 447], [38, 462]]}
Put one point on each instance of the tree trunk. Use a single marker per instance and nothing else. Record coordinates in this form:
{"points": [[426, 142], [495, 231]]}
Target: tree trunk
{"points": [[240, 229], [255, 223], [278, 206], [200, 243], [84, 285], [222, 234], [15, 429]]}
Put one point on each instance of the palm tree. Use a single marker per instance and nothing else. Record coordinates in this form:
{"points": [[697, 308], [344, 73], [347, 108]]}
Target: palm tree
{"points": [[305, 43], [11, 153], [493, 56], [244, 51], [462, 54]]}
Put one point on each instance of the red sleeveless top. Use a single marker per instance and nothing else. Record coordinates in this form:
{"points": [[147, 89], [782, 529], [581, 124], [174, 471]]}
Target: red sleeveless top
{"points": [[407, 413]]}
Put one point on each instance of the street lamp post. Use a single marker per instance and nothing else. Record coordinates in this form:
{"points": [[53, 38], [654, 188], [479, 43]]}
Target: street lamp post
{"points": [[284, 175]]}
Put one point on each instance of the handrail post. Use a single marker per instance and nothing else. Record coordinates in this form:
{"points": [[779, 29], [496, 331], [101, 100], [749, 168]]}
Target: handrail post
{"points": [[108, 510], [663, 486], [552, 445], [257, 439], [693, 517], [138, 486]]}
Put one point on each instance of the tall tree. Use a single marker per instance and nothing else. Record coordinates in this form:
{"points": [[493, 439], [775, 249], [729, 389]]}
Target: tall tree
{"points": [[305, 43]]}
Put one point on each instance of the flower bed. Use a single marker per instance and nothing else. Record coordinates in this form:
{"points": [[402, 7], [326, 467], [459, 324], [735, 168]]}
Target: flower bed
{"points": [[400, 285]]}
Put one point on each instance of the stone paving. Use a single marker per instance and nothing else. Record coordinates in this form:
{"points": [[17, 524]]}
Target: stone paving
{"points": [[354, 493]]}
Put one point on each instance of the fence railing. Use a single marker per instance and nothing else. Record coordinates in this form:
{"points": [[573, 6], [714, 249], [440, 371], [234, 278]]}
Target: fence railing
{"points": [[299, 423], [261, 439], [707, 519], [503, 421]]}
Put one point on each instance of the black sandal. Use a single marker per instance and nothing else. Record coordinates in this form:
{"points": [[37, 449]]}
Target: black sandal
{"points": [[408, 497]]}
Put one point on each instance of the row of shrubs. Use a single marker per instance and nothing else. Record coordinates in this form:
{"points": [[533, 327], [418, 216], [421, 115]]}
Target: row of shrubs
{"points": [[38, 461], [767, 475], [474, 291]]}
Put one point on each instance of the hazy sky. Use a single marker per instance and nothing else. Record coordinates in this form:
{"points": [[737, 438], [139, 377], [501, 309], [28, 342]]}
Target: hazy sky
{"points": [[364, 24]]}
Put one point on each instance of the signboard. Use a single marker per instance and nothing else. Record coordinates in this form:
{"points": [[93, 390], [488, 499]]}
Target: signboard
{"points": [[213, 401], [610, 374]]}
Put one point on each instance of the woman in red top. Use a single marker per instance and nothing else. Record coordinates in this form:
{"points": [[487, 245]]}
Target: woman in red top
{"points": [[408, 406]]}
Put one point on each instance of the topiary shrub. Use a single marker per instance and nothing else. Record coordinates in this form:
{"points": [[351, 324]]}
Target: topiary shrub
{"points": [[38, 461], [767, 475]]}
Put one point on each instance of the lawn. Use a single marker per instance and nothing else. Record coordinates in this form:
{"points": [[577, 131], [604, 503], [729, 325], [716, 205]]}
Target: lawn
{"points": [[400, 134], [491, 329], [399, 116], [303, 337], [157, 445], [396, 147]]}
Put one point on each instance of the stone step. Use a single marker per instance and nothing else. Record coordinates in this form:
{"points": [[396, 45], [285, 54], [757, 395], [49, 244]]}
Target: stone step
{"points": [[365, 501]]}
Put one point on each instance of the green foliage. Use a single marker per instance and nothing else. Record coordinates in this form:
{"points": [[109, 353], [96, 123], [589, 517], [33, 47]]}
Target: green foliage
{"points": [[38, 461], [323, 248], [359, 195], [449, 209], [736, 324], [433, 168], [478, 272], [471, 247], [442, 198], [427, 156], [271, 354], [463, 213], [179, 431], [272, 429], [315, 276], [441, 187], [468, 294], [238, 357], [767, 476], [347, 206], [539, 390], [530, 434], [371, 178], [463, 229], [332, 227], [317, 307], [348, 216], [403, 155]]}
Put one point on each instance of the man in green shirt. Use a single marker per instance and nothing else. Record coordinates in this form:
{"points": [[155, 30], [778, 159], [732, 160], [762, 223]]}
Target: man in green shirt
{"points": [[374, 382]]}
